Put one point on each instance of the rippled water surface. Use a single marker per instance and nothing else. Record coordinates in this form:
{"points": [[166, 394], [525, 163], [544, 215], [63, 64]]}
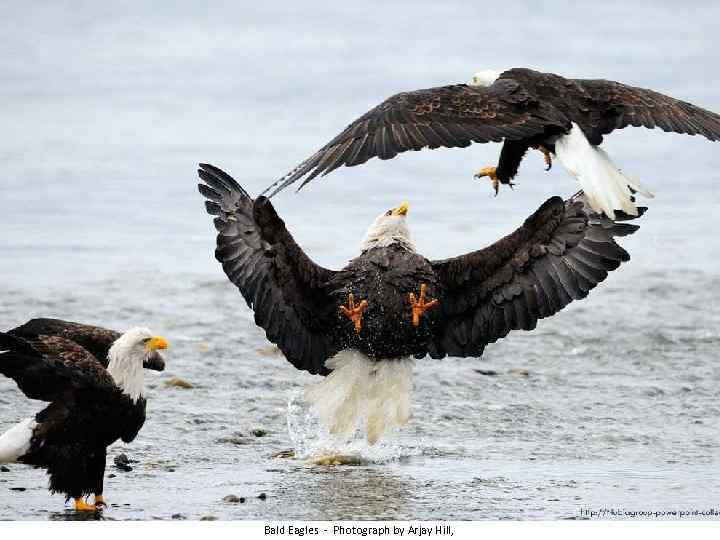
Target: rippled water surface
{"points": [[611, 404]]}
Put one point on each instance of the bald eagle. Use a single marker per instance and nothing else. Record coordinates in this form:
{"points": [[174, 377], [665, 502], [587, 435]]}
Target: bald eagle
{"points": [[95, 390], [526, 109], [363, 325]]}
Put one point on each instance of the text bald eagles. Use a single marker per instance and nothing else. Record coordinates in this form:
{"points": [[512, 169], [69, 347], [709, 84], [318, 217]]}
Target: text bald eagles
{"points": [[341, 530]]}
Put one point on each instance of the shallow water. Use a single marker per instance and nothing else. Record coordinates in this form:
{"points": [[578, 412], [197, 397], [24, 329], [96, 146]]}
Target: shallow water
{"points": [[109, 112]]}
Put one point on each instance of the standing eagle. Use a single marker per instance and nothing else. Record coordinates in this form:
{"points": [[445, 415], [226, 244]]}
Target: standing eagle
{"points": [[526, 109], [363, 325], [93, 379]]}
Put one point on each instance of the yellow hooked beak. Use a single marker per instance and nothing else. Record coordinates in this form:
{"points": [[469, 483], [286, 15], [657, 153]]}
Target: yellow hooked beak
{"points": [[155, 343], [401, 210]]}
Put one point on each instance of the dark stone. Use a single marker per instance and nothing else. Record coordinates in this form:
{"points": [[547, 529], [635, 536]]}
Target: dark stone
{"points": [[259, 432], [178, 516], [18, 489], [112, 475], [233, 499], [262, 496], [209, 518], [4, 469], [488, 372], [123, 463]]}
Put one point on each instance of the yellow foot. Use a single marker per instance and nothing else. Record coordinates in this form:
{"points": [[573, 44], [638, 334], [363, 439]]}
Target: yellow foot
{"points": [[100, 502], [546, 154], [419, 305], [82, 506], [491, 173], [353, 312]]}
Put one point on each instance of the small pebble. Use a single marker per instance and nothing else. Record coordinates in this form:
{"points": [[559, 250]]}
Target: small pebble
{"points": [[18, 489], [259, 432], [519, 371], [112, 475], [233, 440], [488, 372], [178, 516], [208, 518], [4, 469], [233, 499], [262, 496]]}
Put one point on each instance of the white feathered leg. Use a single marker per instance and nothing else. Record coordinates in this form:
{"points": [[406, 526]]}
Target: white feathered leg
{"points": [[360, 388], [606, 188]]}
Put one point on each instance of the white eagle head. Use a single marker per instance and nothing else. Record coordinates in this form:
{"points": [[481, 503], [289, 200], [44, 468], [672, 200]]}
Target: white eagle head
{"points": [[390, 227], [129, 354], [485, 78]]}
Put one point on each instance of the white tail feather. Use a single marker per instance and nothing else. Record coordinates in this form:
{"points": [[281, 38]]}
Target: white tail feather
{"points": [[15, 442], [360, 388], [606, 188]]}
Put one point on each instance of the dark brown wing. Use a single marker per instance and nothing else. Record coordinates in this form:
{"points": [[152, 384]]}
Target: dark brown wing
{"points": [[600, 106], [49, 378], [278, 280], [559, 254], [94, 339], [64, 349], [446, 116]]}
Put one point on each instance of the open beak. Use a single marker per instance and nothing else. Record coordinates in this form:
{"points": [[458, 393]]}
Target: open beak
{"points": [[401, 210]]}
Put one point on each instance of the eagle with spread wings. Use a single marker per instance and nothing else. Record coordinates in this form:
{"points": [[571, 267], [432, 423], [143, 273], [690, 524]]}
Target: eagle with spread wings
{"points": [[363, 325]]}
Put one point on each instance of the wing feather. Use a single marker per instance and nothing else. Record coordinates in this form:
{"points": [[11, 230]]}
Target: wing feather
{"points": [[559, 254], [276, 278], [448, 116]]}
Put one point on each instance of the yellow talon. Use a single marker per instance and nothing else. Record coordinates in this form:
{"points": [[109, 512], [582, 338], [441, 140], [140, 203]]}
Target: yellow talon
{"points": [[100, 501], [491, 173], [82, 506], [546, 154], [420, 306], [353, 312]]}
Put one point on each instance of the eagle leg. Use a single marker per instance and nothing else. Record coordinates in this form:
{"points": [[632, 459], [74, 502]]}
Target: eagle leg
{"points": [[419, 305], [353, 312], [100, 502], [82, 506], [491, 173], [547, 155]]}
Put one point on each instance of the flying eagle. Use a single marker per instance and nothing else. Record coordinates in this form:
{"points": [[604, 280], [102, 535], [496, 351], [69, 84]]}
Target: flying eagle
{"points": [[363, 325], [93, 379], [526, 109]]}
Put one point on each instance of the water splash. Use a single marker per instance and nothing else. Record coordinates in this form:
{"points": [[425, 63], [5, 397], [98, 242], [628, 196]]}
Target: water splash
{"points": [[312, 441]]}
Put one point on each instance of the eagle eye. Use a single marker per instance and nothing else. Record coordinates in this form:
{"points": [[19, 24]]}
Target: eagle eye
{"points": [[388, 213]]}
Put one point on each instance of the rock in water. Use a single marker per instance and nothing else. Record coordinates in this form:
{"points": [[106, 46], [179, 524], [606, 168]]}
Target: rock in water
{"points": [[233, 499], [177, 382], [123, 463]]}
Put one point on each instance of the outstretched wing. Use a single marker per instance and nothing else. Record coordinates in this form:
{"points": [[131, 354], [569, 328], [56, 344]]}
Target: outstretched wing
{"points": [[600, 106], [446, 116], [93, 339], [614, 105], [560, 253], [278, 280], [48, 378]]}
